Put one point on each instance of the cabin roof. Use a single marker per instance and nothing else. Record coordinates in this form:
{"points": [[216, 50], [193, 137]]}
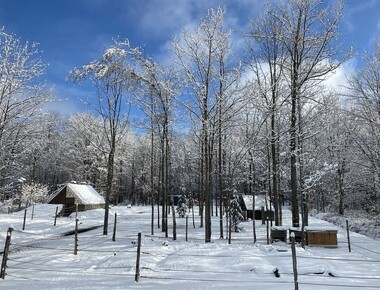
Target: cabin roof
{"points": [[84, 193], [260, 201]]}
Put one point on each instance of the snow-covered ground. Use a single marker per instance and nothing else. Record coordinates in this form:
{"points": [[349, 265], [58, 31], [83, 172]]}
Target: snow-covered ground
{"points": [[359, 222], [41, 258]]}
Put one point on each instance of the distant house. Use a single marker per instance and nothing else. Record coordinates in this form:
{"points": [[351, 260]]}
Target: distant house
{"points": [[72, 195], [261, 201]]}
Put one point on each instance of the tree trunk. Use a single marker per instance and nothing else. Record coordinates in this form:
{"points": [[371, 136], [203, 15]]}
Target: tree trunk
{"points": [[207, 193], [341, 188], [109, 185], [293, 158], [151, 176], [220, 176], [163, 190], [252, 192], [276, 202], [201, 185]]}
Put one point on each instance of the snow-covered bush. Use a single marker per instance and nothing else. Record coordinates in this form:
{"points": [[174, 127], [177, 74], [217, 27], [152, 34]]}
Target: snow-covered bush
{"points": [[182, 206], [33, 193], [28, 194], [236, 214]]}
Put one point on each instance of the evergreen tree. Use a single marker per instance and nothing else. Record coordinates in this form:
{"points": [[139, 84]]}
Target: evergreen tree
{"points": [[182, 206], [236, 214]]}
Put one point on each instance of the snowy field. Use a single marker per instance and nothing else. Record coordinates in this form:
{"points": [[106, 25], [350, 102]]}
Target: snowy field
{"points": [[360, 222], [42, 258]]}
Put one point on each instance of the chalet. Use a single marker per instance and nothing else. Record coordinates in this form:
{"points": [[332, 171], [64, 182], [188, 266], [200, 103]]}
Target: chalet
{"points": [[74, 195]]}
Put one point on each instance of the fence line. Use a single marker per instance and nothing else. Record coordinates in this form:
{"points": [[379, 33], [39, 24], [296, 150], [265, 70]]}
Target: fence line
{"points": [[368, 250], [87, 243], [86, 271]]}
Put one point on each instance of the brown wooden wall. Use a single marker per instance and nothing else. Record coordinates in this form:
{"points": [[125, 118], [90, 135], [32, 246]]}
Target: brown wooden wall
{"points": [[322, 238]]}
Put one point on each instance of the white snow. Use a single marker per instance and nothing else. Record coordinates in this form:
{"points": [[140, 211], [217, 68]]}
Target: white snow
{"points": [[260, 201], [86, 193], [359, 222], [41, 258]]}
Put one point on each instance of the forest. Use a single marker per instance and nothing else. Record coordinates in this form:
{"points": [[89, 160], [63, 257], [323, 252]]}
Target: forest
{"points": [[249, 115]]}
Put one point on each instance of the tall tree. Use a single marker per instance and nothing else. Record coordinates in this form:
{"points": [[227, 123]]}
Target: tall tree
{"points": [[22, 94], [112, 77], [267, 56], [159, 85], [365, 98], [198, 56], [311, 30], [86, 148]]}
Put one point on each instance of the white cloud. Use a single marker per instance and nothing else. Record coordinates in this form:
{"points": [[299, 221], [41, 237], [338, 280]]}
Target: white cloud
{"points": [[166, 18], [358, 6], [163, 18], [65, 108], [68, 97], [338, 80]]}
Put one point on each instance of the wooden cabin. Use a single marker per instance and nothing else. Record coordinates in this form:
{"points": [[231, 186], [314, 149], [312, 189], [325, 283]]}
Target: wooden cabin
{"points": [[74, 195]]}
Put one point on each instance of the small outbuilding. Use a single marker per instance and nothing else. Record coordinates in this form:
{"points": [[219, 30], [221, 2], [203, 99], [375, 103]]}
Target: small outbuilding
{"points": [[261, 202], [74, 195]]}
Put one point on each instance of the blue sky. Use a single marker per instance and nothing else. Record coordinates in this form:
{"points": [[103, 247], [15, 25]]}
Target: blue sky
{"points": [[72, 33]]}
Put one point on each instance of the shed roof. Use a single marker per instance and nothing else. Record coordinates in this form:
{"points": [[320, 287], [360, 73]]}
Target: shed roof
{"points": [[260, 201], [84, 193]]}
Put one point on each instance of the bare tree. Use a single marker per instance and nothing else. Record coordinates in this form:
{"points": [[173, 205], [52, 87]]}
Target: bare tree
{"points": [[158, 85], [87, 149], [22, 95], [112, 77], [202, 56], [267, 56], [311, 28], [365, 112]]}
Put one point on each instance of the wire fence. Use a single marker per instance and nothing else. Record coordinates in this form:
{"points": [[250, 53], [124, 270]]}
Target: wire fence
{"points": [[44, 253], [47, 260]]}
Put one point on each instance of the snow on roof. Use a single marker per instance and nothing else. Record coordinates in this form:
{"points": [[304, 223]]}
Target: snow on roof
{"points": [[86, 193], [260, 200]]}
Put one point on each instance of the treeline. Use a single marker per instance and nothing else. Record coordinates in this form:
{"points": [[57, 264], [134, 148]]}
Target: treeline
{"points": [[251, 116]]}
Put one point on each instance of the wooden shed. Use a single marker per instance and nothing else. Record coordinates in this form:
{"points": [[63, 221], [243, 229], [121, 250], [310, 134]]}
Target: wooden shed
{"points": [[261, 201], [325, 237], [74, 195]]}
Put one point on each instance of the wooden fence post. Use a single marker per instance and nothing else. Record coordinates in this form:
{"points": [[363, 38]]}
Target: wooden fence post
{"points": [[55, 217], [192, 212], [5, 253], [23, 225], [229, 225], [294, 258], [114, 228], [76, 238], [137, 275], [348, 236]]}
